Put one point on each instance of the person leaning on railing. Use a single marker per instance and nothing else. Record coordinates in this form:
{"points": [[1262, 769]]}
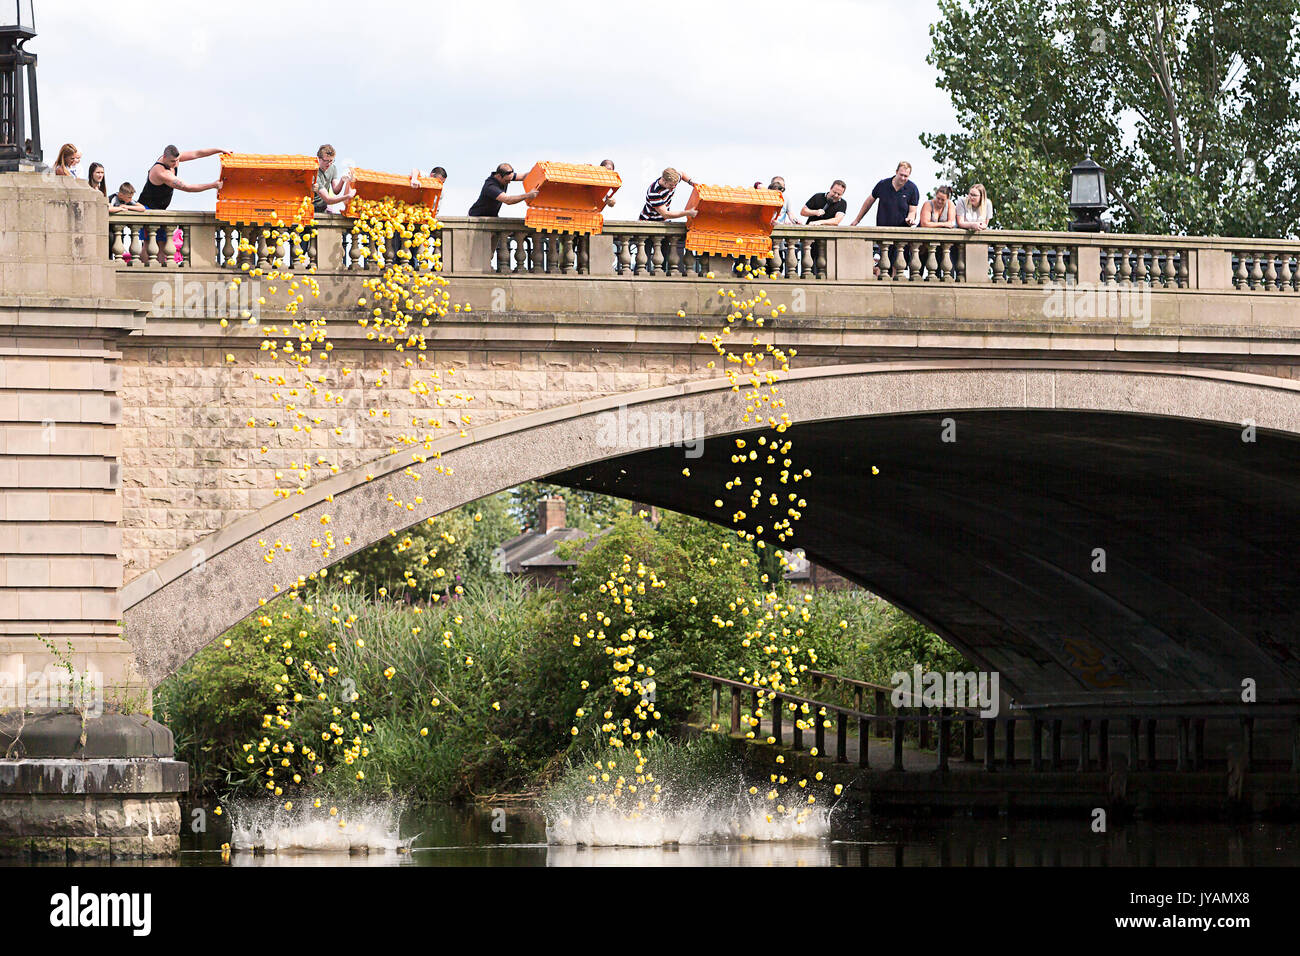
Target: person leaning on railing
{"points": [[975, 209], [608, 164], [899, 199], [331, 187], [493, 194], [783, 218], [939, 212], [659, 196], [828, 208]]}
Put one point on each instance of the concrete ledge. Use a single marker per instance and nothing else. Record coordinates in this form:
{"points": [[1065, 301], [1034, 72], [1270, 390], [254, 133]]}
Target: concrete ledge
{"points": [[117, 739]]}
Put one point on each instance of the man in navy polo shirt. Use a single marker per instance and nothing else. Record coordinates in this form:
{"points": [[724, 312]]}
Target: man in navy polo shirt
{"points": [[899, 200]]}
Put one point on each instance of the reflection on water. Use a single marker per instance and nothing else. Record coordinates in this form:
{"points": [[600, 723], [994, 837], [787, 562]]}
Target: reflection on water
{"points": [[457, 836]]}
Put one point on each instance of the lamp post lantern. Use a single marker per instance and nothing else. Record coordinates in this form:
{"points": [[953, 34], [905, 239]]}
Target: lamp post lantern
{"points": [[20, 125], [1088, 198]]}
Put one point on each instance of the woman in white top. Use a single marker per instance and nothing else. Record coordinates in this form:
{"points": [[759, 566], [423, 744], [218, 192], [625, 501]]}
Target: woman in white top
{"points": [[937, 213], [974, 210]]}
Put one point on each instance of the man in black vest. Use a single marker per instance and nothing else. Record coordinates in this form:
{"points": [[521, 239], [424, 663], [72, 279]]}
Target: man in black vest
{"points": [[162, 179]]}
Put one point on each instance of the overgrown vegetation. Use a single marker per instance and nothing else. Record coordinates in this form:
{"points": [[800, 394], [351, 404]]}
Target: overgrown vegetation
{"points": [[514, 671]]}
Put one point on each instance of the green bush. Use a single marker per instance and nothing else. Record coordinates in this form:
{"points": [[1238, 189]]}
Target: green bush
{"points": [[503, 663]]}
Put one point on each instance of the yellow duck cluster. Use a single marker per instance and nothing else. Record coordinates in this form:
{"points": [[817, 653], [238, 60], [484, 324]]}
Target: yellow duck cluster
{"points": [[401, 300]]}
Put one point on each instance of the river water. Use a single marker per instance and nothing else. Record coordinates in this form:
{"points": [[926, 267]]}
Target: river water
{"points": [[515, 836]]}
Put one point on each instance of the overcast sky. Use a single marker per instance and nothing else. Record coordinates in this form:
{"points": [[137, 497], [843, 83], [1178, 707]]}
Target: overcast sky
{"points": [[812, 91]]}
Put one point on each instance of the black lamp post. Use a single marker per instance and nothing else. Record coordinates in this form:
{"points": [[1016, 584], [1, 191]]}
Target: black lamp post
{"points": [[1087, 196], [20, 124]]}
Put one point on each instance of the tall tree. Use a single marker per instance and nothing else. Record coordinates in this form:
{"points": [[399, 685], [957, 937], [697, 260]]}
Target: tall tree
{"points": [[1194, 108]]}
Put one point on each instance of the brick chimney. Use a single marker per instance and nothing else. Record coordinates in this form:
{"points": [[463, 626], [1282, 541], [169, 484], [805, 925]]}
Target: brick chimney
{"points": [[550, 515]]}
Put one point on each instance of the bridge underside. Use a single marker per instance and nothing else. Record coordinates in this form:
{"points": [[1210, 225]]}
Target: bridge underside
{"points": [[992, 540]]}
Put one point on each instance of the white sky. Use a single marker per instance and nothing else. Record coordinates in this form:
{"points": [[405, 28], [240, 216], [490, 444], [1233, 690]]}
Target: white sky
{"points": [[812, 91]]}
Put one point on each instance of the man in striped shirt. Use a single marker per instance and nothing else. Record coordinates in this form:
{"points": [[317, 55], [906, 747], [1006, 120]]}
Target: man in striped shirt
{"points": [[660, 196]]}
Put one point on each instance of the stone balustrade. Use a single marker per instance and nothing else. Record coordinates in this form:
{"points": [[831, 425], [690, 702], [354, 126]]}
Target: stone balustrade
{"points": [[646, 250]]}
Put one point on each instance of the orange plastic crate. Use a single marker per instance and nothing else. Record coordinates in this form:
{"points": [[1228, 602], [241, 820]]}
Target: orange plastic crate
{"points": [[378, 186], [260, 189], [571, 196], [732, 221]]}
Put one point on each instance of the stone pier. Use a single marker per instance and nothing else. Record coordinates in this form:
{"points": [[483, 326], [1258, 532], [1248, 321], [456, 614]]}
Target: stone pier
{"points": [[85, 771]]}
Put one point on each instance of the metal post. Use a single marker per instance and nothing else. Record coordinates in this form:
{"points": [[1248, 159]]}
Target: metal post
{"points": [[1198, 744], [1056, 743], [864, 742], [968, 740], [1085, 744], [898, 742], [1036, 745], [797, 732], [1010, 734], [1134, 733], [819, 734], [923, 728], [1103, 743], [841, 737], [882, 726], [990, 740], [1151, 743], [735, 710], [778, 705]]}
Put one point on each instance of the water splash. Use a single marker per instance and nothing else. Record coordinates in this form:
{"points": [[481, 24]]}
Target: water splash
{"points": [[707, 816], [264, 827]]}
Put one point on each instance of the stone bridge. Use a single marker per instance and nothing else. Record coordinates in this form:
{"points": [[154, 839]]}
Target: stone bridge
{"points": [[1040, 406]]}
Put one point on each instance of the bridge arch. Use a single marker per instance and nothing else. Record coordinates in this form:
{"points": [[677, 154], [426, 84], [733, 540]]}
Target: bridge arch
{"points": [[1005, 575]]}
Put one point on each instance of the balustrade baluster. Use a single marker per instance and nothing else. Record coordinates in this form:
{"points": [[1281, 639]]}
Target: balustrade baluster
{"points": [[1256, 274], [115, 247], [657, 254], [1286, 280], [151, 251], [1241, 276], [1145, 267], [1107, 266], [931, 264], [1125, 270], [549, 244], [914, 261], [689, 261], [169, 247], [1035, 265], [819, 258], [900, 263], [313, 251], [1170, 272], [672, 261], [1019, 266], [1270, 273], [999, 269], [583, 246], [806, 267], [885, 263], [959, 262], [228, 258], [945, 262], [641, 258], [622, 255]]}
